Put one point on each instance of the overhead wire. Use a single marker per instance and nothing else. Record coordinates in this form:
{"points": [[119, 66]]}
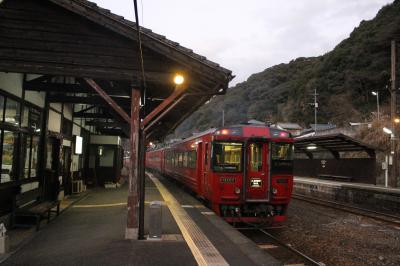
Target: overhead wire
{"points": [[141, 61]]}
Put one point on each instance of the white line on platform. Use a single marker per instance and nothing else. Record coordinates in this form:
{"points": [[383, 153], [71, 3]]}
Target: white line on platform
{"points": [[202, 249]]}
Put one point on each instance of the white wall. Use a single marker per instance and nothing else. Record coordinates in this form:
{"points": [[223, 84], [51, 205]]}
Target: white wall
{"points": [[76, 130], [68, 111], [56, 106], [35, 97], [12, 83], [66, 143], [54, 121], [98, 139]]}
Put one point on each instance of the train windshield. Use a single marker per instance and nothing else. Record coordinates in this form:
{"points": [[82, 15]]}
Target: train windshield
{"points": [[282, 157], [227, 156]]}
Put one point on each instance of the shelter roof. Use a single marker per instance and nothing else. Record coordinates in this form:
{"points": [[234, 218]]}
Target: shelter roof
{"points": [[334, 143], [289, 125], [127, 28]]}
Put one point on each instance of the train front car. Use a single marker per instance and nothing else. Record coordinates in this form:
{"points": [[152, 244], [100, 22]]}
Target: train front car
{"points": [[251, 174]]}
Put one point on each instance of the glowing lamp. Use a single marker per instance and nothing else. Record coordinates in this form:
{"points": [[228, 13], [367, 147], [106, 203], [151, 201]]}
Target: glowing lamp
{"points": [[283, 134], [179, 79], [397, 120], [224, 132], [387, 130], [312, 147]]}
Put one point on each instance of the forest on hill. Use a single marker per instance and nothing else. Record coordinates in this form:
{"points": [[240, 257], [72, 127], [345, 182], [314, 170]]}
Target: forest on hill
{"points": [[343, 78]]}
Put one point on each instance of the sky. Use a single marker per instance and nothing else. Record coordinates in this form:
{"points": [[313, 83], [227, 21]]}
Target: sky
{"points": [[250, 36]]}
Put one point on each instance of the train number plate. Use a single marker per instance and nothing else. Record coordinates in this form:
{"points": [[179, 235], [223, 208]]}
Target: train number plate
{"points": [[255, 182], [228, 180]]}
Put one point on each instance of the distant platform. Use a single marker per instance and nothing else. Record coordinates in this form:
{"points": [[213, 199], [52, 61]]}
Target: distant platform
{"points": [[366, 195]]}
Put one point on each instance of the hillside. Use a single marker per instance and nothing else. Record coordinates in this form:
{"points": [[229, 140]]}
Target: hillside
{"points": [[344, 79]]}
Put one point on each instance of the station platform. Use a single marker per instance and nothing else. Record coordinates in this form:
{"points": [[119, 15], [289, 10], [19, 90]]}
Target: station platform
{"points": [[374, 197], [91, 232]]}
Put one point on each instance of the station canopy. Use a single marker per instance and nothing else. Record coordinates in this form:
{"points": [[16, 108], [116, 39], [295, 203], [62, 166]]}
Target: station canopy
{"points": [[63, 42], [333, 143]]}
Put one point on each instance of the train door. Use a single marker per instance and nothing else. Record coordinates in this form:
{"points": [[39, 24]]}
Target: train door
{"points": [[200, 169], [257, 183], [206, 166]]}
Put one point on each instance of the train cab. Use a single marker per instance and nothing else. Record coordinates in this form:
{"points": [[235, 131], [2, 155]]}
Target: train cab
{"points": [[252, 169]]}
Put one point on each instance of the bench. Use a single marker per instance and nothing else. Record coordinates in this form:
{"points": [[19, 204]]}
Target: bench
{"points": [[336, 177], [29, 207]]}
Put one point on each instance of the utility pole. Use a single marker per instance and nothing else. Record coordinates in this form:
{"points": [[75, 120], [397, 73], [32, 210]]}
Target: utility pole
{"points": [[315, 104], [223, 117], [393, 139]]}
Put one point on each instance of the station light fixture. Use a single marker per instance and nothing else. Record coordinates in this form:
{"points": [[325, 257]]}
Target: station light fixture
{"points": [[387, 130], [224, 132], [312, 147], [179, 79]]}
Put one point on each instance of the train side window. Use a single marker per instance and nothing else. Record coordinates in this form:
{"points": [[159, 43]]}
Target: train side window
{"points": [[176, 159], [185, 159], [180, 160], [193, 159]]}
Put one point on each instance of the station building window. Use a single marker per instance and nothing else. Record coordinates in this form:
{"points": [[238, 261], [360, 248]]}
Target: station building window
{"points": [[8, 165], [19, 140]]}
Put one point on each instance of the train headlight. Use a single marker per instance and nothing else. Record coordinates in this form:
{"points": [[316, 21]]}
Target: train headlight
{"points": [[237, 190], [274, 191]]}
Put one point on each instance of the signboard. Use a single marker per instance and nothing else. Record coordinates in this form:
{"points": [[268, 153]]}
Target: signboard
{"points": [[78, 144]]}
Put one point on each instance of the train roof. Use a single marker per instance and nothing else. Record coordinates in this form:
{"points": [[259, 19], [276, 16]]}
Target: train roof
{"points": [[234, 130]]}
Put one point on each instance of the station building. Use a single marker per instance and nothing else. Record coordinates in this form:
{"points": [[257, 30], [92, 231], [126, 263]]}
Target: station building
{"points": [[73, 151]]}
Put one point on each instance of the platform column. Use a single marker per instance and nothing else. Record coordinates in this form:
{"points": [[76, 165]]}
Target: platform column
{"points": [[132, 220]]}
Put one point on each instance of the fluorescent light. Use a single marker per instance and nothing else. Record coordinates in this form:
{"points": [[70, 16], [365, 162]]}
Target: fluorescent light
{"points": [[312, 147], [374, 93], [78, 144], [387, 130]]}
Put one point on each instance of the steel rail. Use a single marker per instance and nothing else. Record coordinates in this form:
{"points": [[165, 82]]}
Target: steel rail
{"points": [[289, 247], [393, 219]]}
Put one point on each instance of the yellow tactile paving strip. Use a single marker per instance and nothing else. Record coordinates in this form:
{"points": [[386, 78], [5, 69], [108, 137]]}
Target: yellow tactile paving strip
{"points": [[104, 205], [202, 249]]}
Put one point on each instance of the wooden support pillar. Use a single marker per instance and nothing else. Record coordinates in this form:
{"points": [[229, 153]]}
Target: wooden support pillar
{"points": [[142, 177], [133, 203]]}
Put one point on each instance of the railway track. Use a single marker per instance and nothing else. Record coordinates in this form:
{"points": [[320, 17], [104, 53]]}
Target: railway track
{"points": [[279, 249], [384, 217]]}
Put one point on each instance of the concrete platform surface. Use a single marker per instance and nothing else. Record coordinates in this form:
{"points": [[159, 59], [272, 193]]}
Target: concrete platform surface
{"points": [[91, 232]]}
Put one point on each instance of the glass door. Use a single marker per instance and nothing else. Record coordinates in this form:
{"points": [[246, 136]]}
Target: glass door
{"points": [[257, 171]]}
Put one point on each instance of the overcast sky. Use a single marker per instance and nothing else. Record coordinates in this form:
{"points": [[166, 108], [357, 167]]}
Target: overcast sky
{"points": [[250, 36]]}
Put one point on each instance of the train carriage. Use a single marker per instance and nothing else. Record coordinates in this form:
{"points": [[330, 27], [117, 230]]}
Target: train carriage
{"points": [[244, 172]]}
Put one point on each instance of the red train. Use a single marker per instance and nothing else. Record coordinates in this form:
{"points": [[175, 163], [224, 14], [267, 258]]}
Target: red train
{"points": [[244, 172]]}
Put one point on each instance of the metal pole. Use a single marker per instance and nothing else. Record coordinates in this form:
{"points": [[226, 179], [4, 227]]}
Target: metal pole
{"points": [[393, 114], [386, 170], [223, 117], [315, 111], [132, 219]]}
